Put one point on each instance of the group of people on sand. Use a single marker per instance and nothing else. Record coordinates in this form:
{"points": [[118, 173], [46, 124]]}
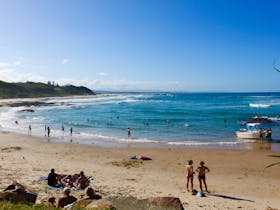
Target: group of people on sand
{"points": [[77, 181], [201, 170], [67, 200], [265, 134]]}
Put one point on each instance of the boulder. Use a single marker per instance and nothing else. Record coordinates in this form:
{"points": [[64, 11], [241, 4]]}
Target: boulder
{"points": [[102, 204], [131, 203], [171, 203], [13, 197]]}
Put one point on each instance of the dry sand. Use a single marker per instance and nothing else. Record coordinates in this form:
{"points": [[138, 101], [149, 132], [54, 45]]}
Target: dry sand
{"points": [[237, 179]]}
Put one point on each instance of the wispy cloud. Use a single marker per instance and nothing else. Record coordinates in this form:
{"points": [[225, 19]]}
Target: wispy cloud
{"points": [[9, 72], [65, 61], [9, 64], [4, 65], [17, 63], [125, 85], [102, 74], [11, 75]]}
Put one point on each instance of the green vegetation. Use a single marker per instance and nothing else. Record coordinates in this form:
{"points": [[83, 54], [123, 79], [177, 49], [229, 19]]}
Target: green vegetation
{"points": [[34, 90], [5, 205]]}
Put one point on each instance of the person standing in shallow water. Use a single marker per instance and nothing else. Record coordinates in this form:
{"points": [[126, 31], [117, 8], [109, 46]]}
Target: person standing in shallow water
{"points": [[202, 170], [128, 133], [49, 131], [29, 130], [71, 131]]}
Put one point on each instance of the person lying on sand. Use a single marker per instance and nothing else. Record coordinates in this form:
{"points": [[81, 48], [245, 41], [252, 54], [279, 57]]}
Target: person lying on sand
{"points": [[202, 170], [189, 174], [69, 181], [66, 198]]}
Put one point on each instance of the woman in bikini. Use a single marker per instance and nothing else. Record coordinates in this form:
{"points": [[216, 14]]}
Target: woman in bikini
{"points": [[202, 170], [189, 174]]}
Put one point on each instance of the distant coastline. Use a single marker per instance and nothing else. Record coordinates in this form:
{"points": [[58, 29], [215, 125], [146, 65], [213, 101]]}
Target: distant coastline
{"points": [[39, 90]]}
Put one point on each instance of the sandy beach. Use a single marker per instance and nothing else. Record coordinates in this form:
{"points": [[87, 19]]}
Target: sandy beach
{"points": [[237, 180]]}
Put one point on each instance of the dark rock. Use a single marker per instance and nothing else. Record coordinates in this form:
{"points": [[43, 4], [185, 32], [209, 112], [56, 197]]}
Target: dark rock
{"points": [[18, 197], [167, 203], [31, 103], [158, 203], [260, 120], [28, 110], [102, 204]]}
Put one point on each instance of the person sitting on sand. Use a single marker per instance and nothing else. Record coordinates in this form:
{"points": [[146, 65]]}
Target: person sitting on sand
{"points": [[91, 195], [54, 179], [51, 202], [189, 174], [202, 170], [66, 198], [83, 181]]}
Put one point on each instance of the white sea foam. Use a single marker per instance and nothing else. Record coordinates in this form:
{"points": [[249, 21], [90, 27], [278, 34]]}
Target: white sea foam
{"points": [[196, 143], [260, 105], [186, 125], [274, 118], [260, 96]]}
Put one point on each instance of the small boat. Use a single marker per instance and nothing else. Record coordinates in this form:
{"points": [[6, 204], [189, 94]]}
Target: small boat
{"points": [[250, 132]]}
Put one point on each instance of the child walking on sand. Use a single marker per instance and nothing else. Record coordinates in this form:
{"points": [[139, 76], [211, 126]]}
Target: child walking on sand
{"points": [[189, 174], [202, 170]]}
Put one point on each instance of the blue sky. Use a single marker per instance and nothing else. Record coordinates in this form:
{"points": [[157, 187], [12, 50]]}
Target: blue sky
{"points": [[189, 45]]}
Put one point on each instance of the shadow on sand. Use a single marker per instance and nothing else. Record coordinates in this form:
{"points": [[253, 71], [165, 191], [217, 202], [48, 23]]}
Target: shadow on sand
{"points": [[230, 197]]}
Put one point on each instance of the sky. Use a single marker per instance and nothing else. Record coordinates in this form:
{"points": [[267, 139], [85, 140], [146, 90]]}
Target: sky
{"points": [[142, 45]]}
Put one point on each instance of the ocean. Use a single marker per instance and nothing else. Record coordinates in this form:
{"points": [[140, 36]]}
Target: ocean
{"points": [[155, 119]]}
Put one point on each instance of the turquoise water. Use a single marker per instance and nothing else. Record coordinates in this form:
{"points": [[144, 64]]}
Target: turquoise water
{"points": [[164, 118]]}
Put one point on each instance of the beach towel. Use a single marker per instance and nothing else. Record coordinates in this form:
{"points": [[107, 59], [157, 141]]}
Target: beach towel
{"points": [[42, 178], [141, 157], [54, 188], [145, 158], [132, 157]]}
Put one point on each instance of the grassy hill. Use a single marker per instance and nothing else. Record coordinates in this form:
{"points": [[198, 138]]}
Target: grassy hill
{"points": [[34, 90]]}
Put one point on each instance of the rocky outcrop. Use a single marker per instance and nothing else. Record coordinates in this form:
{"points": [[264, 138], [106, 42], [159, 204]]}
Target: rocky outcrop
{"points": [[18, 197], [131, 203], [167, 203]]}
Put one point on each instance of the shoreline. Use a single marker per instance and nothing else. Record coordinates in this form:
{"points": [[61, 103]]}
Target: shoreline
{"points": [[113, 143], [238, 175]]}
